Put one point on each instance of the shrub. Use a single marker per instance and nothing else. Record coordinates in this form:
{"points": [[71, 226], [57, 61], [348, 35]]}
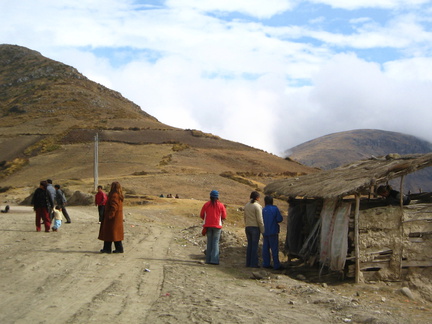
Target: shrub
{"points": [[180, 147]]}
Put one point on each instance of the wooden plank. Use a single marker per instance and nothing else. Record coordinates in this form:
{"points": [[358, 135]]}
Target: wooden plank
{"points": [[373, 265], [356, 238], [388, 251], [406, 263], [427, 220], [419, 234], [401, 193], [416, 240]]}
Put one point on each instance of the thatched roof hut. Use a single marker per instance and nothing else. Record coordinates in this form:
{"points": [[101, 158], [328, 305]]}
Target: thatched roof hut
{"points": [[335, 189], [354, 178]]}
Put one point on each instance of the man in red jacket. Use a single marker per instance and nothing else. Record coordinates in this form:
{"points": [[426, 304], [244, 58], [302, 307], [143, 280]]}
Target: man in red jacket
{"points": [[100, 202], [213, 213]]}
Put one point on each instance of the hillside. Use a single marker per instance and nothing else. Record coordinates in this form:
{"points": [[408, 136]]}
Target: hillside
{"points": [[50, 114], [333, 150]]}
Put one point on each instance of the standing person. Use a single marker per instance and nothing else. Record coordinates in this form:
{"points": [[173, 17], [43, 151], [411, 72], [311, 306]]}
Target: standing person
{"points": [[100, 201], [254, 225], [52, 192], [271, 217], [61, 202], [111, 229], [42, 205], [213, 213]]}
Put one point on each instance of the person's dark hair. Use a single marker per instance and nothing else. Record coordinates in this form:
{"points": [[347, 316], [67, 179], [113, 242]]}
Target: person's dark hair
{"points": [[99, 187], [44, 184], [49, 181], [254, 196], [57, 186], [268, 200], [383, 189]]}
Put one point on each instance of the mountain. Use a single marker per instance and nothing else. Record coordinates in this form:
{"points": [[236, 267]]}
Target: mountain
{"points": [[333, 150], [51, 113]]}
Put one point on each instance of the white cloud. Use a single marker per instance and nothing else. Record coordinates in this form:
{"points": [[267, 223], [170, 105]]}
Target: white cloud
{"points": [[255, 8], [358, 4], [268, 85], [350, 93], [413, 69], [402, 32]]}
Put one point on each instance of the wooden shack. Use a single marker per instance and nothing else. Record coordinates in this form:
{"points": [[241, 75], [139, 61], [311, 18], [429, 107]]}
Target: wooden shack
{"points": [[336, 221]]}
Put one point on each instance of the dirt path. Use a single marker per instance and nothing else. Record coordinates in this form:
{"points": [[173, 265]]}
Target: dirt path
{"points": [[62, 278]]}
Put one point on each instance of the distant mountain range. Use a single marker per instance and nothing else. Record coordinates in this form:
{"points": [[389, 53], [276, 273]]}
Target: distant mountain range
{"points": [[333, 150]]}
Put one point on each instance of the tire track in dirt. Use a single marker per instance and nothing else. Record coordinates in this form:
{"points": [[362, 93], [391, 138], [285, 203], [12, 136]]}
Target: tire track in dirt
{"points": [[130, 289]]}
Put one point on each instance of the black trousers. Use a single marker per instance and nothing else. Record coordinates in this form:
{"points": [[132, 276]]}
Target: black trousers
{"points": [[118, 246], [101, 209], [65, 214]]}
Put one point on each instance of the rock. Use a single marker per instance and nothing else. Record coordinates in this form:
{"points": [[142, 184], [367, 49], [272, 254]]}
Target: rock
{"points": [[301, 277], [407, 292], [80, 199], [260, 274]]}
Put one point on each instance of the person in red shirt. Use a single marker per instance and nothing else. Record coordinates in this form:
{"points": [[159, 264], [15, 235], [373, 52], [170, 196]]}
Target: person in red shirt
{"points": [[213, 213], [100, 201]]}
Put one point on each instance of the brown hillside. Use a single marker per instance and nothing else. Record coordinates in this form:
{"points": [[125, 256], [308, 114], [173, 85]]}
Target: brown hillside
{"points": [[51, 114], [333, 150]]}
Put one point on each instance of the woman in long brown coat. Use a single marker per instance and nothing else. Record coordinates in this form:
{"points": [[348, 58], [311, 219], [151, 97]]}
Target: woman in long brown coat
{"points": [[111, 228]]}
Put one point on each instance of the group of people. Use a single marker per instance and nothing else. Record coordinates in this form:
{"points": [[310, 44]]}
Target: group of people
{"points": [[49, 203], [258, 221]]}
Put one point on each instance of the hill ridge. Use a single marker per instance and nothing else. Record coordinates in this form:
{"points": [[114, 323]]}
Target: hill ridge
{"points": [[336, 149]]}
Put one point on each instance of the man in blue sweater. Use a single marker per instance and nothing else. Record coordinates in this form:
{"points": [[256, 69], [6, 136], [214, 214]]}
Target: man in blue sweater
{"points": [[272, 217]]}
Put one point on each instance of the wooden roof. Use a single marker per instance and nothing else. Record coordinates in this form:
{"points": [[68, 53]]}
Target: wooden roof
{"points": [[353, 178]]}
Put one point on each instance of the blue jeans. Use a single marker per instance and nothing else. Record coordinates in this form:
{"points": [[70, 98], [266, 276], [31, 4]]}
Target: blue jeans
{"points": [[253, 236], [213, 237], [57, 224], [271, 242]]}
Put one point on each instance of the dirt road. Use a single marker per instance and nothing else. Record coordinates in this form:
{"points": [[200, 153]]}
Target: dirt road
{"points": [[60, 277]]}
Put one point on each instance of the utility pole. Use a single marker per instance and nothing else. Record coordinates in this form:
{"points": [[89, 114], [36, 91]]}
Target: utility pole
{"points": [[96, 161]]}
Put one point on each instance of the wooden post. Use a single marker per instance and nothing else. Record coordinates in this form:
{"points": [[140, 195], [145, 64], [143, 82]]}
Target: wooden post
{"points": [[356, 238], [401, 226], [401, 192], [96, 162]]}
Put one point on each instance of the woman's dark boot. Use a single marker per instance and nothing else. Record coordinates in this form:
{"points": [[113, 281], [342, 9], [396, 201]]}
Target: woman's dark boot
{"points": [[118, 247], [106, 247]]}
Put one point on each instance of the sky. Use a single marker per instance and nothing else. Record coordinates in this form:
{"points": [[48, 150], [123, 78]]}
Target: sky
{"points": [[271, 74]]}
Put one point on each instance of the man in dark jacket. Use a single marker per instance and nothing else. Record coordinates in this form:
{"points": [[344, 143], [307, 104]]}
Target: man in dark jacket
{"points": [[42, 204], [61, 202], [51, 191]]}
